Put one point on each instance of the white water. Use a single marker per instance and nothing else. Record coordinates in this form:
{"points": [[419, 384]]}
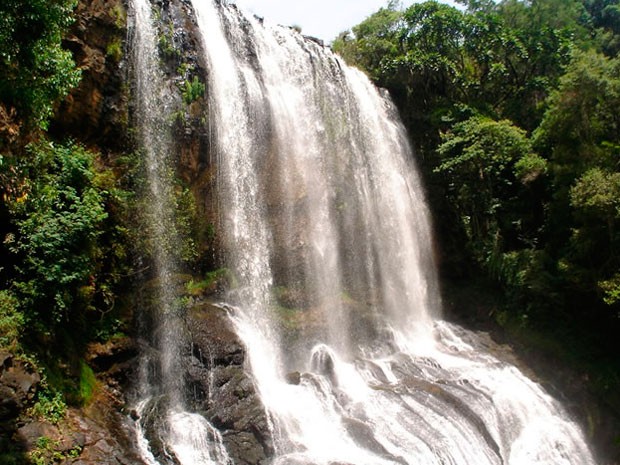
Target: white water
{"points": [[187, 438], [320, 200]]}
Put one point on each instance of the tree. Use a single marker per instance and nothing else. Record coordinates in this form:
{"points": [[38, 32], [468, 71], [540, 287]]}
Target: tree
{"points": [[490, 165], [374, 40], [35, 71], [605, 20], [61, 228], [580, 129], [580, 135]]}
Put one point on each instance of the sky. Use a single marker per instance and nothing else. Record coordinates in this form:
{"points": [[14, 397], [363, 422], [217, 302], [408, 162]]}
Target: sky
{"points": [[324, 19]]}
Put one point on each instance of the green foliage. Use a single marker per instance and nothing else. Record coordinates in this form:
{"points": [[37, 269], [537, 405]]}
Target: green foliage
{"points": [[48, 451], [580, 136], [50, 405], [165, 43], [591, 259], [212, 283], [120, 16], [374, 41], [512, 109], [580, 126], [186, 222], [59, 219], [499, 59], [193, 90], [530, 167], [611, 289], [64, 219], [484, 160], [114, 50], [87, 383], [11, 321], [605, 19], [596, 195], [35, 71]]}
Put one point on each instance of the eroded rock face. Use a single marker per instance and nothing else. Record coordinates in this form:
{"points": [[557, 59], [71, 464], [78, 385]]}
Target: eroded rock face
{"points": [[96, 434], [81, 439], [96, 112]]}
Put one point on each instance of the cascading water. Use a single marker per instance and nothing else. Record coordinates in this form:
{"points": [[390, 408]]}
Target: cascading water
{"points": [[187, 438], [327, 233]]}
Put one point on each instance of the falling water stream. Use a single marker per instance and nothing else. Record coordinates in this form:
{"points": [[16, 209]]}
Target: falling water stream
{"points": [[190, 439], [327, 233]]}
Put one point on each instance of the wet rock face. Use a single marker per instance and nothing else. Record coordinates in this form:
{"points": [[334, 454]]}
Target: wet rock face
{"points": [[217, 387], [222, 389]]}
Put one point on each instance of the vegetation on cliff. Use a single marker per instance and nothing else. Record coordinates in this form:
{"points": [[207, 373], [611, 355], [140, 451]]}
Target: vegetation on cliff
{"points": [[512, 109], [63, 252]]}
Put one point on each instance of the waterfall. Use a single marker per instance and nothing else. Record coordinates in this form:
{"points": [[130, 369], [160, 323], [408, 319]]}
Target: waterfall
{"points": [[187, 438], [327, 233]]}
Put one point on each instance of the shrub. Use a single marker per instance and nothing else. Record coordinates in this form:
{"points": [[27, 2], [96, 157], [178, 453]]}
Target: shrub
{"points": [[35, 71], [11, 321], [50, 406], [193, 90], [59, 217], [114, 50], [88, 383]]}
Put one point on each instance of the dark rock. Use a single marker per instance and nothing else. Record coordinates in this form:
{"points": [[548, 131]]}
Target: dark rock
{"points": [[365, 437], [244, 448], [214, 341], [31, 432], [10, 404], [316, 40], [101, 434], [103, 356], [322, 362], [229, 399], [218, 387], [155, 427]]}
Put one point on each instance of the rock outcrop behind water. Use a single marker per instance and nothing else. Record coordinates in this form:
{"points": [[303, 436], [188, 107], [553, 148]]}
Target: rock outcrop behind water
{"points": [[218, 387], [223, 390]]}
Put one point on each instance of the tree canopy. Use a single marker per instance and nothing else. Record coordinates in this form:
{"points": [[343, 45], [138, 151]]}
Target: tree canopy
{"points": [[35, 70]]}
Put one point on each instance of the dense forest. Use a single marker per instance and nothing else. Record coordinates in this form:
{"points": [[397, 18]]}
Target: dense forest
{"points": [[512, 110]]}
